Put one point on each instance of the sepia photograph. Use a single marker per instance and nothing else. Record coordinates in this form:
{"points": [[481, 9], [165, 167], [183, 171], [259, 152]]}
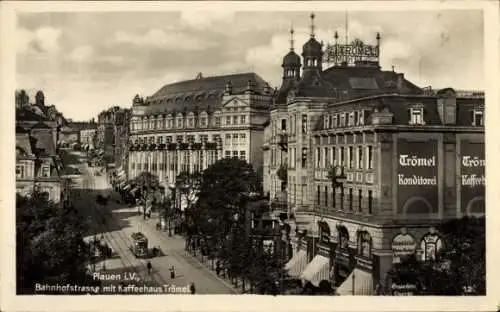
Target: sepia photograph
{"points": [[308, 151]]}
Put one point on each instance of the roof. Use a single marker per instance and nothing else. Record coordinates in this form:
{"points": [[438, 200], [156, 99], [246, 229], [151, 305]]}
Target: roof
{"points": [[344, 83], [203, 93], [23, 143], [41, 125], [25, 114], [291, 58], [44, 143], [312, 47]]}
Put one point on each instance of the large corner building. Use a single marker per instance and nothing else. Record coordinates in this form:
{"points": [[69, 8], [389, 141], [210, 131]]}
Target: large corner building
{"points": [[365, 164], [189, 125]]}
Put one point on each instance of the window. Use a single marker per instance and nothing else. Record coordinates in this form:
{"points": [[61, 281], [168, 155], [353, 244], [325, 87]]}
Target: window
{"points": [[430, 245], [341, 198], [342, 120], [235, 138], [326, 124], [235, 120], [318, 195], [333, 198], [370, 201], [477, 118], [335, 120], [46, 171], [369, 157], [283, 125], [356, 118], [342, 156], [204, 138], [332, 162], [350, 157], [180, 138], [203, 122], [235, 154], [228, 154], [217, 121], [417, 116], [228, 139], [326, 195], [304, 157], [326, 158], [360, 157], [20, 171], [243, 119], [243, 155], [190, 138], [351, 119], [350, 199], [191, 122], [361, 118], [179, 123], [360, 200], [304, 124], [228, 120], [159, 140]]}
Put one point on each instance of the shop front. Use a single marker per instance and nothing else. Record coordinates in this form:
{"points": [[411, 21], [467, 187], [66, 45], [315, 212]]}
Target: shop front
{"points": [[360, 281], [472, 178], [320, 267], [344, 257]]}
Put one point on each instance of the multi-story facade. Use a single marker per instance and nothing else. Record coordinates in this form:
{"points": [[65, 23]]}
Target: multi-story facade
{"points": [[189, 125], [372, 165], [112, 135]]}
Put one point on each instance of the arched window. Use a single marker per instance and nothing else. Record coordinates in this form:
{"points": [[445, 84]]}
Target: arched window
{"points": [[203, 120], [324, 231], [191, 120], [364, 244], [170, 121], [430, 245], [180, 120], [343, 237]]}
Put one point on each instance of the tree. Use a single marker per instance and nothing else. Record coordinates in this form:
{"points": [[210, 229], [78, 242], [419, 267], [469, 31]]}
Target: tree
{"points": [[459, 267], [188, 186], [148, 183], [50, 244]]}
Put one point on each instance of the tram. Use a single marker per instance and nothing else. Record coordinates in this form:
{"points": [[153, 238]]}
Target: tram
{"points": [[139, 245]]}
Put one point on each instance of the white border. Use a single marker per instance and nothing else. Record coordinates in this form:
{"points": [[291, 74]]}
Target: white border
{"points": [[10, 302]]}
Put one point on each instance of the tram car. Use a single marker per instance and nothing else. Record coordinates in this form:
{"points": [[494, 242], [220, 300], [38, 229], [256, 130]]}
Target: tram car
{"points": [[139, 245]]}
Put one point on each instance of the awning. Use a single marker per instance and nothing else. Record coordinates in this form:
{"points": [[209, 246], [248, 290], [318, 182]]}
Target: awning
{"points": [[363, 284], [126, 187], [121, 173], [297, 264], [134, 189], [122, 184], [317, 270]]}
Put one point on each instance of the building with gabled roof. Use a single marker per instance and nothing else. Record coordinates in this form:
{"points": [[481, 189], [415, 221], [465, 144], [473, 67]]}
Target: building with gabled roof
{"points": [[369, 163]]}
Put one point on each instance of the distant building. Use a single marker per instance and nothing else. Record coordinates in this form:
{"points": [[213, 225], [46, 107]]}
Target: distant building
{"points": [[37, 164], [189, 125], [112, 135], [366, 165]]}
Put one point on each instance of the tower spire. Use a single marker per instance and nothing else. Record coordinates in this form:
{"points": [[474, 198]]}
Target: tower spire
{"points": [[312, 25], [291, 38]]}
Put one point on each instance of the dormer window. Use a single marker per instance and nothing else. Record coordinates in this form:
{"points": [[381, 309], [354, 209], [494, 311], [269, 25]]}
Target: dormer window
{"points": [[351, 119], [179, 122], [46, 171], [342, 120], [191, 122], [203, 122], [361, 118], [326, 124], [417, 116], [19, 171], [477, 118]]}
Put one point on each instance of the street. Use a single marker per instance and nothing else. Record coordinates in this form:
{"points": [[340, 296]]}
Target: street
{"points": [[114, 223]]}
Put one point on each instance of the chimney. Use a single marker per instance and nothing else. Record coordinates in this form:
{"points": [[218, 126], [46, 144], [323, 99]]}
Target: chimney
{"points": [[229, 87], [400, 81]]}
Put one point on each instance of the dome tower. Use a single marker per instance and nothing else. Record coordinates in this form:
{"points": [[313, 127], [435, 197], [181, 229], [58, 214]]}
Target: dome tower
{"points": [[291, 62], [312, 51]]}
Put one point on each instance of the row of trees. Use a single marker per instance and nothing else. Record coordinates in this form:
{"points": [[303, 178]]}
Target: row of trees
{"points": [[457, 269], [49, 243]]}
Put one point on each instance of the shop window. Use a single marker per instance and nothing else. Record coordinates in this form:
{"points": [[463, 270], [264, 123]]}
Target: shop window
{"points": [[430, 245], [477, 118], [364, 244]]}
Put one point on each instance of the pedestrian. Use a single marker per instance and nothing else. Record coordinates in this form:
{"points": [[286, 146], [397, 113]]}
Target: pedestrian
{"points": [[172, 272], [158, 226], [217, 269], [192, 289], [150, 267]]}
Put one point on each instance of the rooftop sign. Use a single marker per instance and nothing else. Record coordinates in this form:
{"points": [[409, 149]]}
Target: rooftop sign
{"points": [[350, 53]]}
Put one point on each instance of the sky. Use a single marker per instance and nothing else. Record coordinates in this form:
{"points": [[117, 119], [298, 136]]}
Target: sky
{"points": [[86, 62]]}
